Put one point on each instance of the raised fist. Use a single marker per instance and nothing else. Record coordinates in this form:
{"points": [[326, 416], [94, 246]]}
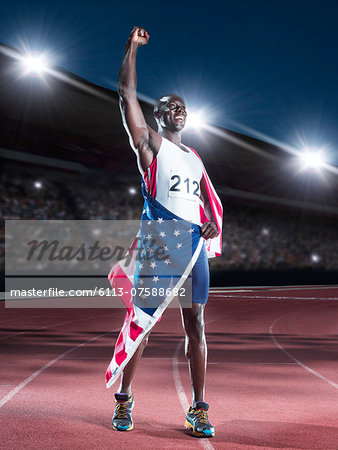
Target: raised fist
{"points": [[139, 35]]}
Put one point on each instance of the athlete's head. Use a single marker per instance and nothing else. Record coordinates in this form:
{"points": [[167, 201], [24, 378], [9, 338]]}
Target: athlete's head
{"points": [[170, 113]]}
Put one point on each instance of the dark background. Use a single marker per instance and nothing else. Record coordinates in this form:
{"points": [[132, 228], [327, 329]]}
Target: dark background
{"points": [[259, 67]]}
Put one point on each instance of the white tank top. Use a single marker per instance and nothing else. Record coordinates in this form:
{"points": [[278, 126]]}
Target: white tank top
{"points": [[174, 180]]}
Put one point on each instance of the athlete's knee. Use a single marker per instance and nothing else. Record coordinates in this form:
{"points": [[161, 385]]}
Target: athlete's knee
{"points": [[196, 336], [195, 329], [195, 342]]}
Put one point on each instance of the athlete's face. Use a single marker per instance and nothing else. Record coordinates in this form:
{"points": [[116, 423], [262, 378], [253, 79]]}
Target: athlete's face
{"points": [[173, 114]]}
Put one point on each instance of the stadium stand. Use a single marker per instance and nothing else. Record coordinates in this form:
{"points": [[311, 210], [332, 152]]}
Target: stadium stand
{"points": [[254, 238]]}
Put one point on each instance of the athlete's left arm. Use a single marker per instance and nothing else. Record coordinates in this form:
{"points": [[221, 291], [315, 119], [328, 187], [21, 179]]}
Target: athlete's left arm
{"points": [[209, 229]]}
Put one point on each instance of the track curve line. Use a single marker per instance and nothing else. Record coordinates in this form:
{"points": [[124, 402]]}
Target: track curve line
{"points": [[24, 383], [289, 355], [20, 333], [205, 443]]}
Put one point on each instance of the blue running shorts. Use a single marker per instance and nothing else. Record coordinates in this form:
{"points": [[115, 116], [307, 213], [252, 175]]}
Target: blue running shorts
{"points": [[200, 278]]}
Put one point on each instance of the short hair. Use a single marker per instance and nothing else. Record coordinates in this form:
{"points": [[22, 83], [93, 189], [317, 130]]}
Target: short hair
{"points": [[161, 101]]}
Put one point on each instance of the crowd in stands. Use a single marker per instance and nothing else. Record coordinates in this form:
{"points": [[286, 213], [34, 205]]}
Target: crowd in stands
{"points": [[25, 197], [102, 202], [253, 238]]}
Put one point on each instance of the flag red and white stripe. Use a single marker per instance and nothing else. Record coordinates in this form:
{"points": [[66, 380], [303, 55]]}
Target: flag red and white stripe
{"points": [[211, 210]]}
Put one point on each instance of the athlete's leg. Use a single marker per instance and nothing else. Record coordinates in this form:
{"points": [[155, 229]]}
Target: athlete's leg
{"points": [[193, 323], [195, 348], [130, 369], [197, 421]]}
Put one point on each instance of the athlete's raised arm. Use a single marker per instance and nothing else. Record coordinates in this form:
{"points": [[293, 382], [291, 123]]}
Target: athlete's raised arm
{"points": [[143, 139]]}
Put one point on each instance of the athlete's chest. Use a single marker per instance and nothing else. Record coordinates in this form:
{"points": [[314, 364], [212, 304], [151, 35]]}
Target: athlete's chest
{"points": [[179, 172]]}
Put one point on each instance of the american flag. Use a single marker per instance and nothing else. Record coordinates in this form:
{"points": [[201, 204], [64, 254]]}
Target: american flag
{"points": [[160, 261]]}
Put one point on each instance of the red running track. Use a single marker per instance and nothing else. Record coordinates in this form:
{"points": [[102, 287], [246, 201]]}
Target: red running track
{"points": [[272, 377]]}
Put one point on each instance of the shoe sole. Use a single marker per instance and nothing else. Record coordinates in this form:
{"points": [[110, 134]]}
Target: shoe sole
{"points": [[190, 427], [127, 429]]}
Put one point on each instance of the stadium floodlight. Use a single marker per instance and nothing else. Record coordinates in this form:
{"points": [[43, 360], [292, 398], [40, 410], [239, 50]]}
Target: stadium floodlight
{"points": [[315, 258], [34, 64], [312, 159], [38, 184], [195, 120], [132, 191]]}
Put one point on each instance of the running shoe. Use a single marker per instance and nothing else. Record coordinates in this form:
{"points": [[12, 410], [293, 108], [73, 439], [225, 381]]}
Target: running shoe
{"points": [[122, 420], [197, 421]]}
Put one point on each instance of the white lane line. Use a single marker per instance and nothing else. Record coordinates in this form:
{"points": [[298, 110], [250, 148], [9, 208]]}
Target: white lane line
{"points": [[18, 388], [179, 388], [182, 362], [241, 362], [304, 366], [81, 357], [46, 327], [275, 288], [143, 358], [264, 297], [217, 291], [205, 443]]}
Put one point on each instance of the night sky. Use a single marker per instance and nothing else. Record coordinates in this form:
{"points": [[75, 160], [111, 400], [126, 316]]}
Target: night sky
{"points": [[264, 68]]}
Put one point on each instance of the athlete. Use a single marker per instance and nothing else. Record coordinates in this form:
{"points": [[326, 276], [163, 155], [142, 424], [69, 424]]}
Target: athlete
{"points": [[163, 156]]}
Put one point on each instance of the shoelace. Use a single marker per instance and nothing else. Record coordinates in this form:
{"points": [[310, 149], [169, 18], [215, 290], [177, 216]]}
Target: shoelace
{"points": [[121, 409], [202, 415]]}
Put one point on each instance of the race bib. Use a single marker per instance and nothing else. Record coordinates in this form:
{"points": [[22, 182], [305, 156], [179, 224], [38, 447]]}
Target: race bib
{"points": [[183, 186]]}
